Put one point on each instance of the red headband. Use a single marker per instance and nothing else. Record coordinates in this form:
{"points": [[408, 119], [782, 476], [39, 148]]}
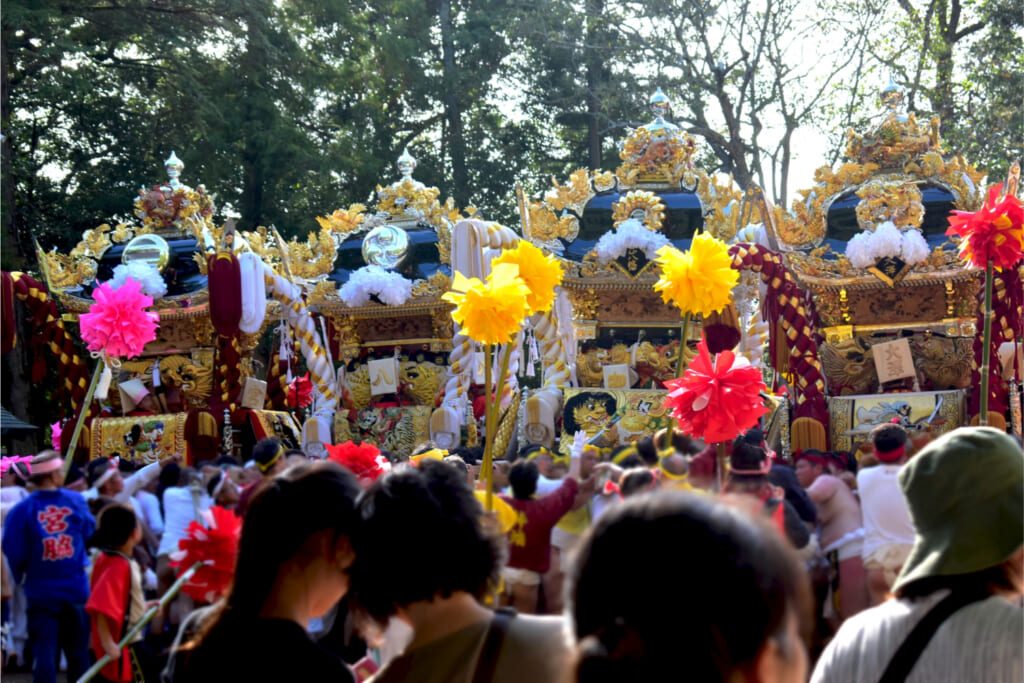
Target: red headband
{"points": [[891, 456], [810, 457]]}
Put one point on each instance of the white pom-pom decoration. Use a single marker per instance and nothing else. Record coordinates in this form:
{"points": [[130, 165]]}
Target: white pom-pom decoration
{"points": [[145, 274], [887, 240], [631, 234], [915, 249], [391, 288]]}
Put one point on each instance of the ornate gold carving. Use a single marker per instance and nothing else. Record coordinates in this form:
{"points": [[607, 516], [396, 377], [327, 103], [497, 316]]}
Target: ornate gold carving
{"points": [[434, 286], [192, 376], [265, 246], [444, 242], [604, 181], [946, 363], [322, 291], [443, 325], [895, 142], [64, 272], [546, 226], [164, 210], [645, 206], [584, 303], [421, 381], [122, 233], [344, 222], [203, 332], [722, 203], [661, 156], [94, 242], [314, 257], [349, 341], [573, 196], [590, 363], [897, 202], [849, 366]]}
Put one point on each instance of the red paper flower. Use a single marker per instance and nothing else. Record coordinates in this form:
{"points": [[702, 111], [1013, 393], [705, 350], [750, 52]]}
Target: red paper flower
{"points": [[363, 460], [300, 392], [716, 399], [216, 546], [118, 324], [995, 232]]}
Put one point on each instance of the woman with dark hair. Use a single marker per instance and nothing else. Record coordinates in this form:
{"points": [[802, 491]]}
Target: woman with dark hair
{"points": [[423, 556], [735, 611], [293, 565]]}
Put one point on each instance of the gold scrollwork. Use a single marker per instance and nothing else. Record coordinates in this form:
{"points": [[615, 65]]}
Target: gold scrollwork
{"points": [[882, 201]]}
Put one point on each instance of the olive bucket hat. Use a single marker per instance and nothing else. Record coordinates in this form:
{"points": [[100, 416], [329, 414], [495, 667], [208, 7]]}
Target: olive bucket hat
{"points": [[965, 491]]}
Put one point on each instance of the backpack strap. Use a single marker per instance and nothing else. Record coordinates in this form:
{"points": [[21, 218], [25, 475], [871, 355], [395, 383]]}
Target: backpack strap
{"points": [[487, 662], [902, 663]]}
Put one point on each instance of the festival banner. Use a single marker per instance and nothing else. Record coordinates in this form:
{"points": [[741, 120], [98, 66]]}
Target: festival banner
{"points": [[851, 418], [591, 410]]}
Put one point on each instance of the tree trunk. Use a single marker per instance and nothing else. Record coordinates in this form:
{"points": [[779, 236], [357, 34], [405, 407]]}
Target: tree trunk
{"points": [[453, 109], [258, 124], [594, 10], [13, 255]]}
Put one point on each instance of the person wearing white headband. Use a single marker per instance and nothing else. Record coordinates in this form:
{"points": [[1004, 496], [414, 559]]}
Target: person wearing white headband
{"points": [[105, 478], [223, 490]]}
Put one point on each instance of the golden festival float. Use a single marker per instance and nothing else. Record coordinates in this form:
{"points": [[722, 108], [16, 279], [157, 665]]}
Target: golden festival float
{"points": [[877, 317], [855, 305], [196, 389], [404, 372], [619, 340]]}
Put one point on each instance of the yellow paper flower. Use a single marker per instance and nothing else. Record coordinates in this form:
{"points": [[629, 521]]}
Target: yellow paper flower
{"points": [[700, 280], [540, 273], [490, 312], [675, 274]]}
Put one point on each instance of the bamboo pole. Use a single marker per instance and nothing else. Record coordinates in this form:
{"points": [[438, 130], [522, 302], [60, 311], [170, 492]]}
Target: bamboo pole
{"points": [[83, 411], [146, 618]]}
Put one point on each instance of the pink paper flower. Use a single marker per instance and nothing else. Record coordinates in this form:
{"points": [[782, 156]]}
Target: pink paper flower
{"points": [[118, 324], [55, 430]]}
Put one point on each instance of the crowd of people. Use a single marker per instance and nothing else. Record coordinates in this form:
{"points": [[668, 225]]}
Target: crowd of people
{"points": [[660, 560]]}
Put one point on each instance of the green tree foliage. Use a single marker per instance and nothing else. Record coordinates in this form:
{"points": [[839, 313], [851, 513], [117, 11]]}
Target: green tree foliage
{"points": [[288, 110], [962, 60]]}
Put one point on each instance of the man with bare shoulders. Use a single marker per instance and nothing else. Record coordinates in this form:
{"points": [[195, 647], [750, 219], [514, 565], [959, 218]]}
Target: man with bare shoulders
{"points": [[841, 528]]}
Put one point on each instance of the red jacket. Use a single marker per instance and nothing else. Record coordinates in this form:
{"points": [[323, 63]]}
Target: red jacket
{"points": [[111, 596], [530, 538]]}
